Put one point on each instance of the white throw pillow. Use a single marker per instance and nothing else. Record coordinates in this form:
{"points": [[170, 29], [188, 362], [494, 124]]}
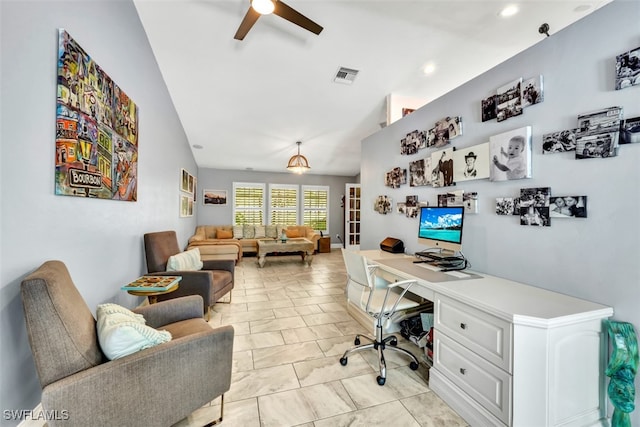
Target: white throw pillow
{"points": [[238, 231], [260, 232], [122, 332], [185, 261]]}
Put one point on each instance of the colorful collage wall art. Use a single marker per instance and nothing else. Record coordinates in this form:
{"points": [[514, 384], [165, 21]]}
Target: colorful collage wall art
{"points": [[96, 129]]}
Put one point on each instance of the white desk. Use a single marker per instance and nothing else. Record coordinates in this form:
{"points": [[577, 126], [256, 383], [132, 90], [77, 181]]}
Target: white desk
{"points": [[510, 354]]}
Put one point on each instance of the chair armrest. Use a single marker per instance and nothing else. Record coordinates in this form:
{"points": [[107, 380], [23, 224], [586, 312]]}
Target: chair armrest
{"points": [[199, 235], [171, 311], [159, 385], [219, 264]]}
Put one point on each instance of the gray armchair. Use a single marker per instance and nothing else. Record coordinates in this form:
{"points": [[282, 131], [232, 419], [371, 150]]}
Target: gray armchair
{"points": [[215, 280], [153, 387]]}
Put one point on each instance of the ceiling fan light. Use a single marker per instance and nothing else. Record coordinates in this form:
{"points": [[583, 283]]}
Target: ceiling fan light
{"points": [[263, 7], [298, 163]]}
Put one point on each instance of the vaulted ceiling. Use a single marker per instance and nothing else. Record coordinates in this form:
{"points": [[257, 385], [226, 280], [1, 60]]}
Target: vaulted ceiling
{"points": [[244, 104]]}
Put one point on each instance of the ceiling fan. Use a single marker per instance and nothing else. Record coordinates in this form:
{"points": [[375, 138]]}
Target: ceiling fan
{"points": [[265, 7]]}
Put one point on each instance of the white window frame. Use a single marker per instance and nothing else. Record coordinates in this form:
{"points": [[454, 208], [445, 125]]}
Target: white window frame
{"points": [[327, 208], [270, 209], [264, 207]]}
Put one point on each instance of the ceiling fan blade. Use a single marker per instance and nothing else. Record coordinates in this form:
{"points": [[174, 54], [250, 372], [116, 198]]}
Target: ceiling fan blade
{"points": [[291, 15], [249, 19]]}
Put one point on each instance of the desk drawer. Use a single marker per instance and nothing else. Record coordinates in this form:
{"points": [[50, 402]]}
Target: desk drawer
{"points": [[484, 334], [483, 381]]}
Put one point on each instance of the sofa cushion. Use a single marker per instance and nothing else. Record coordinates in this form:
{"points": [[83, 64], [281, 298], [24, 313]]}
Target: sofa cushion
{"points": [[271, 231], [292, 233], [249, 231], [238, 231], [121, 332], [259, 232], [224, 234], [185, 261]]}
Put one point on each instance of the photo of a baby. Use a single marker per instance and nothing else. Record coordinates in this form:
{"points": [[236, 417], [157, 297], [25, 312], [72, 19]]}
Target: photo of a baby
{"points": [[510, 155]]}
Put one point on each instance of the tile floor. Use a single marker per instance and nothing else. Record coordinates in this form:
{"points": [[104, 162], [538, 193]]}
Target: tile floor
{"points": [[291, 327]]}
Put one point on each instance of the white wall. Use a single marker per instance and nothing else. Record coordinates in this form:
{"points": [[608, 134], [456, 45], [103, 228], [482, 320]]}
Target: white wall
{"points": [[596, 258], [218, 179], [99, 240]]}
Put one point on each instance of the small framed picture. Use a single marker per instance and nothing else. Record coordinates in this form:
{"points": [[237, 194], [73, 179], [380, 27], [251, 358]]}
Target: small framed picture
{"points": [[186, 206], [214, 197], [184, 181]]}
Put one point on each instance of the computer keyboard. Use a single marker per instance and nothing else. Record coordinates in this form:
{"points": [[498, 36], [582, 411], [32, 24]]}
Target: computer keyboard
{"points": [[436, 256]]}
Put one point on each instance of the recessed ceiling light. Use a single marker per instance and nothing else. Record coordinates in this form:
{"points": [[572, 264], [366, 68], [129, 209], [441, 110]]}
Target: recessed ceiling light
{"points": [[508, 11], [197, 146], [429, 68], [582, 8]]}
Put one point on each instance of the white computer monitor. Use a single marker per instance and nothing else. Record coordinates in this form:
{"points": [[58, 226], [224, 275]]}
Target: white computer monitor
{"points": [[441, 227]]}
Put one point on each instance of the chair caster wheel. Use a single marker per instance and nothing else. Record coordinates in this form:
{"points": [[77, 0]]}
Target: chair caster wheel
{"points": [[381, 380], [413, 366], [393, 343], [343, 361], [356, 341]]}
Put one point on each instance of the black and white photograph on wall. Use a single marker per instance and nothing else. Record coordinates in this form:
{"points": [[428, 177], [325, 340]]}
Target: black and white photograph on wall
{"points": [[470, 202], [489, 108], [534, 206], [401, 208], [559, 142], [422, 139], [395, 177], [442, 200], [536, 216], [568, 207], [455, 198], [471, 163], [418, 173], [504, 206], [598, 133], [516, 206], [412, 206], [509, 100], [408, 145], [383, 205], [532, 91], [431, 137], [441, 131], [628, 69], [510, 155], [454, 127], [536, 196], [630, 131], [442, 168]]}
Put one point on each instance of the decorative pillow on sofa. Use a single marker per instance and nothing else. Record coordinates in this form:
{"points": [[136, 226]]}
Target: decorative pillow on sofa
{"points": [[292, 233], [185, 261], [249, 231], [122, 332], [259, 232], [221, 233], [271, 231], [238, 231]]}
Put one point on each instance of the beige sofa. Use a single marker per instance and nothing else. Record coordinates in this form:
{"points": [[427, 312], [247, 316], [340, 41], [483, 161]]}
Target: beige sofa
{"points": [[211, 240]]}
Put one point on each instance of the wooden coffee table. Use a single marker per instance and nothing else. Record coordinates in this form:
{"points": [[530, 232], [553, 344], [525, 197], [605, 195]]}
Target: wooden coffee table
{"points": [[299, 245]]}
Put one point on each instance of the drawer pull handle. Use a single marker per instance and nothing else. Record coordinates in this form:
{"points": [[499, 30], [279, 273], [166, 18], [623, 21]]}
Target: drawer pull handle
{"points": [[463, 326], [463, 371]]}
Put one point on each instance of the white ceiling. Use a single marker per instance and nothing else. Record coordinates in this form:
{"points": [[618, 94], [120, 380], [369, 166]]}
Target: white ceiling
{"points": [[248, 102]]}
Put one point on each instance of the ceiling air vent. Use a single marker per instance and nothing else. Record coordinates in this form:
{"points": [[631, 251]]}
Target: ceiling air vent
{"points": [[345, 75]]}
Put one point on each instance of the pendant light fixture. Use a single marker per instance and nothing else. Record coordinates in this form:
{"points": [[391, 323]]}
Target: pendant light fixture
{"points": [[298, 163]]}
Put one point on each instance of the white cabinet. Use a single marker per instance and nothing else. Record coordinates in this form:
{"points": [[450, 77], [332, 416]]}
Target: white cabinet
{"points": [[510, 354], [352, 217]]}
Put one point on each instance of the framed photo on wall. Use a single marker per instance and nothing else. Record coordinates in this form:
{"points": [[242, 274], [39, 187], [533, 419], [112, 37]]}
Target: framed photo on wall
{"points": [[214, 197], [184, 181], [186, 206]]}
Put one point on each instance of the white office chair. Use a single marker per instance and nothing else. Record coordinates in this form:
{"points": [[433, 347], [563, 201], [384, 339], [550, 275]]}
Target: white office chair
{"points": [[380, 304]]}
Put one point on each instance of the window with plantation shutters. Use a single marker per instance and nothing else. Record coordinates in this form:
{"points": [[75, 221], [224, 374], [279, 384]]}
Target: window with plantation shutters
{"points": [[248, 203], [315, 203], [283, 204]]}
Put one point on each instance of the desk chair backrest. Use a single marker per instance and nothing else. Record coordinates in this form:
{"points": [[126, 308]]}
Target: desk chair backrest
{"points": [[360, 283]]}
